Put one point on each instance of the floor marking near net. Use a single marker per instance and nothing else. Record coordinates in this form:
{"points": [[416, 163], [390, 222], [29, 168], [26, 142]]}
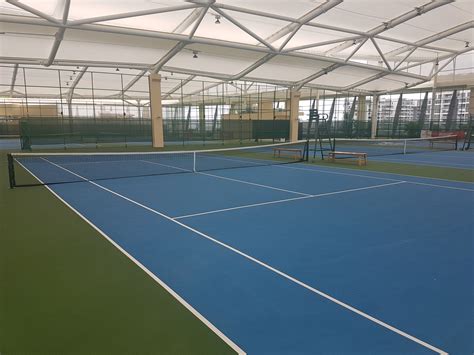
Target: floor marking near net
{"points": [[380, 178], [166, 165], [230, 179], [266, 266], [289, 199], [255, 184]]}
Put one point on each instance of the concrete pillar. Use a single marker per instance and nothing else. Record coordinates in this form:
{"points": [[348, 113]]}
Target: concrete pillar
{"points": [[471, 102], [375, 110], [156, 112], [202, 119], [294, 113], [433, 98], [362, 109]]}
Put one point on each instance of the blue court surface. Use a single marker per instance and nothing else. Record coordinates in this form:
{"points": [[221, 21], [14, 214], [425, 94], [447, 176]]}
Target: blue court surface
{"points": [[297, 259]]}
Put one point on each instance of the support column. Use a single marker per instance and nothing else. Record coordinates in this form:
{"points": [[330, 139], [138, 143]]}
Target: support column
{"points": [[471, 102], [294, 113], [331, 111], [422, 116], [202, 120], [452, 111], [362, 109], [156, 112], [396, 117], [433, 98], [375, 110]]}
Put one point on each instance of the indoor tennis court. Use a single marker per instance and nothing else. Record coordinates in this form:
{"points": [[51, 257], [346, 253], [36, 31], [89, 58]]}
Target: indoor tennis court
{"points": [[251, 177]]}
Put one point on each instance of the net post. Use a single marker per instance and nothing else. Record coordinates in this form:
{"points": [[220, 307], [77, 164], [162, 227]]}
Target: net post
{"points": [[404, 146], [194, 162], [11, 171], [306, 150]]}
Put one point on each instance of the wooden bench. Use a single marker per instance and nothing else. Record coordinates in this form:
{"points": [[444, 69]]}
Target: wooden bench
{"points": [[361, 157], [289, 152]]}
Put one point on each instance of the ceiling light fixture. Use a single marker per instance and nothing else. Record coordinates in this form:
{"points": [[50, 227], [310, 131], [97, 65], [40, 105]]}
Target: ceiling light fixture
{"points": [[467, 45], [195, 54], [218, 18], [117, 69]]}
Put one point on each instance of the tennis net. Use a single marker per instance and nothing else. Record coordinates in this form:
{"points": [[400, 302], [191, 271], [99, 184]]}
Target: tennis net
{"points": [[30, 169], [380, 147]]}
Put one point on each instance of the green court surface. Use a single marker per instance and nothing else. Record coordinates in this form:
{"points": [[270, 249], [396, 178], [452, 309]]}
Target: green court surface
{"points": [[436, 172], [65, 287]]}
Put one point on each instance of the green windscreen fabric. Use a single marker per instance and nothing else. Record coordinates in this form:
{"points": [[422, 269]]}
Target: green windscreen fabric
{"points": [[54, 131], [57, 131]]}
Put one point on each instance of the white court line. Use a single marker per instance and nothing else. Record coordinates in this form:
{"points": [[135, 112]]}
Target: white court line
{"points": [[257, 162], [245, 206], [287, 166], [288, 199], [255, 184], [93, 162], [168, 166], [235, 180], [387, 173], [190, 308], [268, 267], [337, 173], [374, 177], [435, 185], [290, 166], [321, 171]]}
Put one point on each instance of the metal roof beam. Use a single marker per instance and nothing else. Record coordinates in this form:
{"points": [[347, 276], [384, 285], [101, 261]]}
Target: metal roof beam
{"points": [[134, 80], [180, 45], [417, 11], [322, 72], [405, 58], [58, 37], [433, 38], [33, 11], [356, 49], [206, 41], [319, 44], [15, 72], [132, 14], [180, 85], [242, 27], [188, 21], [380, 53], [254, 66], [450, 57], [292, 28], [402, 70], [167, 57], [76, 81], [364, 81]]}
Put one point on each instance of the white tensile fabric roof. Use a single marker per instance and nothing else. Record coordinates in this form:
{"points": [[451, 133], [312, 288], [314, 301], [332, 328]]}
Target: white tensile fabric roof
{"points": [[340, 45]]}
